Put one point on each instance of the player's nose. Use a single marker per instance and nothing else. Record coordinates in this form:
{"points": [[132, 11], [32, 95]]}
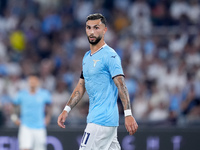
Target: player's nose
{"points": [[91, 32]]}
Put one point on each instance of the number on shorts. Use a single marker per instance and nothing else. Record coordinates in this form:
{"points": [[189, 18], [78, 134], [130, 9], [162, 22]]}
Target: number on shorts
{"points": [[85, 138]]}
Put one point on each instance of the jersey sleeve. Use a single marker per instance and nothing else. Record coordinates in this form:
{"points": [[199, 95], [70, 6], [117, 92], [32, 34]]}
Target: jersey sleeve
{"points": [[81, 76], [114, 65], [17, 99], [48, 98]]}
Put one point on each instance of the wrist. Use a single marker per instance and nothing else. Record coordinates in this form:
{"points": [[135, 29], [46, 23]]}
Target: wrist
{"points": [[127, 112], [14, 117], [67, 108]]}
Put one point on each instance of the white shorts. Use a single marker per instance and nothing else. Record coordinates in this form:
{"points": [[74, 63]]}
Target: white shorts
{"points": [[34, 139], [97, 137]]}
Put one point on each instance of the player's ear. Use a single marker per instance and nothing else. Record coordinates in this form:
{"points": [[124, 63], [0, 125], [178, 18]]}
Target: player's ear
{"points": [[105, 29]]}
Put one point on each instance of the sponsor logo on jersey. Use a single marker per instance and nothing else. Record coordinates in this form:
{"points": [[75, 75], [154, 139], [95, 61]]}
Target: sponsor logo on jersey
{"points": [[113, 56]]}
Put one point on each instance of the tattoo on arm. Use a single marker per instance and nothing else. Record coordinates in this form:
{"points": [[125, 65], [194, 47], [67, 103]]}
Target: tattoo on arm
{"points": [[123, 92], [77, 94]]}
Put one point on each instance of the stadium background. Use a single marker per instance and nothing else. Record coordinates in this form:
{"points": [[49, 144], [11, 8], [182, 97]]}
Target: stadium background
{"points": [[157, 40]]}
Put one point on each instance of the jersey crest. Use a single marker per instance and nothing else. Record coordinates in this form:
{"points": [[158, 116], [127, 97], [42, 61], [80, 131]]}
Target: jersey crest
{"points": [[95, 61]]}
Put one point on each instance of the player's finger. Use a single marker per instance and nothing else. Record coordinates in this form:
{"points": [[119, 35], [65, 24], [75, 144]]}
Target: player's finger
{"points": [[61, 122], [128, 128], [133, 130], [135, 127]]}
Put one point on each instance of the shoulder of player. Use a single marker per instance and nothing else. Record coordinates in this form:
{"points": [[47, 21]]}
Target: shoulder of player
{"points": [[87, 53], [44, 91], [23, 91], [110, 52]]}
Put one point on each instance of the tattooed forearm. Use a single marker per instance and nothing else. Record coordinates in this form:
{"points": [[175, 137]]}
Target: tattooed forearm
{"points": [[123, 92], [74, 99], [77, 94]]}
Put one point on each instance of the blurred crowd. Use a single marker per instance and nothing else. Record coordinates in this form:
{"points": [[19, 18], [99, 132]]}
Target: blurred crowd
{"points": [[157, 40]]}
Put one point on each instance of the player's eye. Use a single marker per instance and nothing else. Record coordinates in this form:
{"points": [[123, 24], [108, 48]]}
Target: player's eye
{"points": [[96, 27], [88, 27]]}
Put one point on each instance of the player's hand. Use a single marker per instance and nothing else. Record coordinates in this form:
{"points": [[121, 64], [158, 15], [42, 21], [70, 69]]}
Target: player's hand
{"points": [[17, 122], [15, 119], [131, 125], [61, 119]]}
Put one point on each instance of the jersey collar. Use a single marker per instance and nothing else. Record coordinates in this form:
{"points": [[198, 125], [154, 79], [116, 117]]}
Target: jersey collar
{"points": [[98, 49]]}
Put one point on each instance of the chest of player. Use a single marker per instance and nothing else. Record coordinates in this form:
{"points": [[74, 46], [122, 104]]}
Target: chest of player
{"points": [[93, 66], [33, 101]]}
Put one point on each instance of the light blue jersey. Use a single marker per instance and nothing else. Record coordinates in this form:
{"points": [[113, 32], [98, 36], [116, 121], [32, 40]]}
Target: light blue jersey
{"points": [[33, 107], [99, 70]]}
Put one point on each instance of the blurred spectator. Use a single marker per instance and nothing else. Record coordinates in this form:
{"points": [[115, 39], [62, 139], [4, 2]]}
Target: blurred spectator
{"points": [[3, 6], [5, 108], [179, 8], [44, 47], [159, 14], [191, 105], [139, 13], [59, 98], [8, 22], [140, 104], [192, 57], [48, 3], [158, 105], [194, 12], [175, 98], [15, 83], [3, 52], [83, 8], [52, 22], [47, 79], [121, 21], [177, 43]]}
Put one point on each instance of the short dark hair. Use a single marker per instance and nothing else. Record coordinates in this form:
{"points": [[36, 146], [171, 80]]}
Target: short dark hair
{"points": [[34, 74], [97, 16]]}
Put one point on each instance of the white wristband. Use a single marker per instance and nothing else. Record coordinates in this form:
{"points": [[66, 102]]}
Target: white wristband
{"points": [[127, 112], [67, 108], [14, 117]]}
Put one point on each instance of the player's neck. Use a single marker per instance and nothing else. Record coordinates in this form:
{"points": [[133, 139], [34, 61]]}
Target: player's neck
{"points": [[95, 48], [33, 90]]}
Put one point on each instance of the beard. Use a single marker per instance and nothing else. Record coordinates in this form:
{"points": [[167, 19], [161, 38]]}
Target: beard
{"points": [[95, 41]]}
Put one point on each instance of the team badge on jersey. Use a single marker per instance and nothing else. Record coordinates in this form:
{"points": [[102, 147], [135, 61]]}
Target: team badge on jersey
{"points": [[95, 61]]}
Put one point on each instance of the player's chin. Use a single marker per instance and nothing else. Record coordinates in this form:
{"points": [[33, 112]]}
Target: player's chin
{"points": [[93, 42]]}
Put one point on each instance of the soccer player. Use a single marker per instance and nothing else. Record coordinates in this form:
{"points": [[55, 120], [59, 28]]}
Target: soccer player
{"points": [[102, 77], [33, 103]]}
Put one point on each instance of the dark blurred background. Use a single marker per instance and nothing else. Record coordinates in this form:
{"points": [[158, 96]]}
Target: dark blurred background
{"points": [[157, 40]]}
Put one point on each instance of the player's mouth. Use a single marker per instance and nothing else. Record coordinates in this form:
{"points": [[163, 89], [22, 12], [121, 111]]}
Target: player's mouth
{"points": [[92, 38]]}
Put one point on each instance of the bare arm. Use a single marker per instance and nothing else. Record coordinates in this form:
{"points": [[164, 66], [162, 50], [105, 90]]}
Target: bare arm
{"points": [[130, 123], [48, 114], [76, 96], [123, 92], [14, 116]]}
